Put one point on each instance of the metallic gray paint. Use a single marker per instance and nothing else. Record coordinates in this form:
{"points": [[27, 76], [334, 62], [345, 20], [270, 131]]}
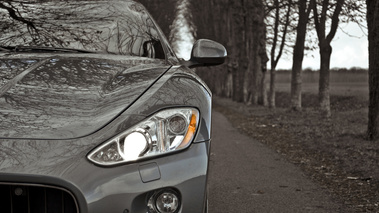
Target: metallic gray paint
{"points": [[100, 190], [207, 53], [63, 162], [69, 96]]}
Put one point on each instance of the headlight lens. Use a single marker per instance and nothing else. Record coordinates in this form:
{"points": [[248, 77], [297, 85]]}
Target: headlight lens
{"points": [[164, 132]]}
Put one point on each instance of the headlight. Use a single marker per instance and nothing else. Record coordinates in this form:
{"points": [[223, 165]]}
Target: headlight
{"points": [[166, 131]]}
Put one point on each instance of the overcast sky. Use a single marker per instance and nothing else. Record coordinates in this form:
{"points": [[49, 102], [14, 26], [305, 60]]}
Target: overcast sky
{"points": [[348, 51]]}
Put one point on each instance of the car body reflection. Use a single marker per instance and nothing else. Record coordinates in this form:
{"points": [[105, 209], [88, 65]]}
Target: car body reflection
{"points": [[78, 79], [72, 96]]}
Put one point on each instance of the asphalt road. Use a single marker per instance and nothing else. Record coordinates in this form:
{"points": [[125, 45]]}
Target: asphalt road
{"points": [[247, 176]]}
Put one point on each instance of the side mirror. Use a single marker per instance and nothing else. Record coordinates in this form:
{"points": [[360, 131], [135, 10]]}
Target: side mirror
{"points": [[206, 53]]}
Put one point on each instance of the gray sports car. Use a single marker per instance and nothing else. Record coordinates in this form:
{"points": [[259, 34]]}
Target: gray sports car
{"points": [[96, 112]]}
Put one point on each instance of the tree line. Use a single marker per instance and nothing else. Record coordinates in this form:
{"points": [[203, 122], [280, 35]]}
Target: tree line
{"points": [[257, 32]]}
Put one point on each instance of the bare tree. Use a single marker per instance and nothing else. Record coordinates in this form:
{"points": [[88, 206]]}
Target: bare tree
{"points": [[320, 19], [305, 8], [208, 25], [248, 31], [263, 59], [277, 11], [373, 38], [238, 25]]}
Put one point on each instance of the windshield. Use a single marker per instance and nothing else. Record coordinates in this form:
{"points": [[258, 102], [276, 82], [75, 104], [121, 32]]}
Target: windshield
{"points": [[122, 28]]}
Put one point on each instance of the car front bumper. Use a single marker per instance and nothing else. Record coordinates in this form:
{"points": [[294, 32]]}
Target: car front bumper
{"points": [[125, 188]]}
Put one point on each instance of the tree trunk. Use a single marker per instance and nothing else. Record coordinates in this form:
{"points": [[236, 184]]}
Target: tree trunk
{"points": [[298, 55], [256, 78], [238, 80], [296, 80], [264, 87], [254, 35], [229, 85], [263, 59], [271, 102], [325, 48], [373, 38], [247, 83], [324, 97], [239, 50], [234, 25], [255, 85], [274, 58]]}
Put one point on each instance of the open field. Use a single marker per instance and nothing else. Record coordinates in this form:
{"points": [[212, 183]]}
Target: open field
{"points": [[359, 90], [335, 76], [333, 152], [341, 83]]}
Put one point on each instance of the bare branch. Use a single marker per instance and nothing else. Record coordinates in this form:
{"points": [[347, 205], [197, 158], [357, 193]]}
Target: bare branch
{"points": [[335, 21]]}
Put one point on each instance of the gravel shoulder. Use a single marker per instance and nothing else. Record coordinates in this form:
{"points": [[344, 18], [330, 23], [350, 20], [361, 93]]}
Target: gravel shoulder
{"points": [[331, 152]]}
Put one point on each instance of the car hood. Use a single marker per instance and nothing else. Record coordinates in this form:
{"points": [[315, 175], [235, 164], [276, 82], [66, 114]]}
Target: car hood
{"points": [[69, 96]]}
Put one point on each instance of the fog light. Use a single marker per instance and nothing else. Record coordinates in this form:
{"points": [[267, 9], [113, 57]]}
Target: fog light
{"points": [[165, 201]]}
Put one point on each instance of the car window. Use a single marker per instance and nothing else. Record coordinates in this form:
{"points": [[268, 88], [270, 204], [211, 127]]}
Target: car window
{"points": [[115, 27]]}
